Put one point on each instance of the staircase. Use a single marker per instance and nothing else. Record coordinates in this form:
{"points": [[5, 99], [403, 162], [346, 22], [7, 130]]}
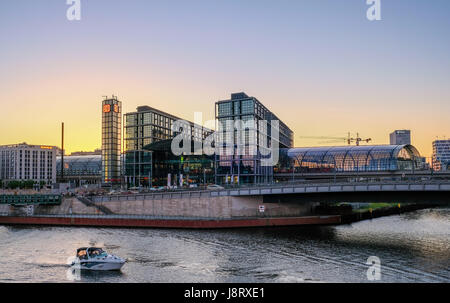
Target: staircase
{"points": [[101, 208]]}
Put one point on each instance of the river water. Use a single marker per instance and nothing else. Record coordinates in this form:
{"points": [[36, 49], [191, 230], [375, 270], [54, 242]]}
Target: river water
{"points": [[412, 247]]}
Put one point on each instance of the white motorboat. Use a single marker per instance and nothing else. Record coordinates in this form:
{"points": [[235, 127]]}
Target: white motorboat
{"points": [[94, 258]]}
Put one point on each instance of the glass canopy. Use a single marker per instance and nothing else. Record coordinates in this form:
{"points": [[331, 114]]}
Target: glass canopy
{"points": [[80, 165], [355, 158]]}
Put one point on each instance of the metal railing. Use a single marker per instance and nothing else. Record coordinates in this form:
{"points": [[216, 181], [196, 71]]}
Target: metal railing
{"points": [[136, 217], [30, 199], [237, 190], [292, 188]]}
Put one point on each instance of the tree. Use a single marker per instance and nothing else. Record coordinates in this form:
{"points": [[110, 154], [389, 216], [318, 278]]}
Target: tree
{"points": [[14, 184]]}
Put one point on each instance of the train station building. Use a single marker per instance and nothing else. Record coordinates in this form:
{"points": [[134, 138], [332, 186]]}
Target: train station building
{"points": [[148, 160], [362, 158]]}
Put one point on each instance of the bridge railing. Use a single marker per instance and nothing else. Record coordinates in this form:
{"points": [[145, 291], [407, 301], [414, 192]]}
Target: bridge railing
{"points": [[230, 190], [30, 199], [142, 217], [331, 182]]}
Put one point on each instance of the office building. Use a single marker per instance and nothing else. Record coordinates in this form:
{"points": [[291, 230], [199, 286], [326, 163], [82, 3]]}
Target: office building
{"points": [[28, 162], [148, 159], [441, 154], [111, 140], [400, 137], [241, 152]]}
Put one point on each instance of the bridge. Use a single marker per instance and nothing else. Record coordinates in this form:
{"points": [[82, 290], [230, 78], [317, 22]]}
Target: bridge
{"points": [[30, 199], [332, 192], [431, 191], [294, 176]]}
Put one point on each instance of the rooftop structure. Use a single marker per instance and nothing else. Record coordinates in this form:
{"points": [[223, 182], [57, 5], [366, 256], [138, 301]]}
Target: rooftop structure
{"points": [[354, 158]]}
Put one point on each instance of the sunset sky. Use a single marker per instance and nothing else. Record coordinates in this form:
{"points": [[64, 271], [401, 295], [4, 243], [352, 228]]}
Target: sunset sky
{"points": [[320, 65]]}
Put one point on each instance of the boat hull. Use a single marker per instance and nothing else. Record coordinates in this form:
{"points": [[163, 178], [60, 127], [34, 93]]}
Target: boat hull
{"points": [[100, 266]]}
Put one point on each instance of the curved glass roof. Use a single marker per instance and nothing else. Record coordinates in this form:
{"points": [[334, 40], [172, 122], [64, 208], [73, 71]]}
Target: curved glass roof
{"points": [[80, 165], [356, 158]]}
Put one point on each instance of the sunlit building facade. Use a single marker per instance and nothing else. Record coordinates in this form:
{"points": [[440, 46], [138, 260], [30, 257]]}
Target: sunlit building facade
{"points": [[111, 141], [148, 159], [441, 155], [249, 145], [28, 162], [400, 137]]}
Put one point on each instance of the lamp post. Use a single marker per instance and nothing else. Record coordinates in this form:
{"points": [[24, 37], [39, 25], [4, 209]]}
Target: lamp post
{"points": [[62, 152], [293, 171], [204, 176], [150, 178]]}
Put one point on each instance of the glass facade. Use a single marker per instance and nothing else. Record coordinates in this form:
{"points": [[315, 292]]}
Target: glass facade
{"points": [[148, 157], [138, 167], [168, 168], [441, 155], [349, 159], [111, 140], [241, 151], [80, 165], [145, 127]]}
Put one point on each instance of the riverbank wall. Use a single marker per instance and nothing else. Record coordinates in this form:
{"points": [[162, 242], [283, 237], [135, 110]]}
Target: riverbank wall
{"points": [[192, 212], [226, 207], [174, 212]]}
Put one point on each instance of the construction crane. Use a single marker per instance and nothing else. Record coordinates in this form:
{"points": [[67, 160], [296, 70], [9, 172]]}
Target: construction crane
{"points": [[347, 139], [358, 139]]}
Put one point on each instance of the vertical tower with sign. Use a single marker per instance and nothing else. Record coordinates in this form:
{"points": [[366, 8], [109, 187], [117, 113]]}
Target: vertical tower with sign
{"points": [[111, 140]]}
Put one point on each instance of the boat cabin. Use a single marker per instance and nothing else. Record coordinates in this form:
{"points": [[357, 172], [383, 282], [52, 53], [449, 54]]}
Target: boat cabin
{"points": [[89, 252]]}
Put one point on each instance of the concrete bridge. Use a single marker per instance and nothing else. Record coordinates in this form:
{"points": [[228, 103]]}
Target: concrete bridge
{"points": [[395, 192], [383, 192], [367, 175], [292, 203]]}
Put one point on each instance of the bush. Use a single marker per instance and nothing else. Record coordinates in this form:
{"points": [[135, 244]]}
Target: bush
{"points": [[14, 184], [28, 184]]}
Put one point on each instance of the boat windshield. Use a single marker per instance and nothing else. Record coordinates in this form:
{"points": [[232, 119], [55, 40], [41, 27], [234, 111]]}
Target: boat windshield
{"points": [[97, 252]]}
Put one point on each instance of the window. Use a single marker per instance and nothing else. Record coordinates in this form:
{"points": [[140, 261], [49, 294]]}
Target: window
{"points": [[237, 107], [225, 109], [247, 107]]}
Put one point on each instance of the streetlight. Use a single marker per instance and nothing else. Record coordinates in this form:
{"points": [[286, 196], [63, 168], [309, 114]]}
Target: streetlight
{"points": [[293, 171], [204, 176]]}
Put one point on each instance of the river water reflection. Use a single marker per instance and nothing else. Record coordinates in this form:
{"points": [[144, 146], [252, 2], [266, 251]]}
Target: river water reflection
{"points": [[412, 247]]}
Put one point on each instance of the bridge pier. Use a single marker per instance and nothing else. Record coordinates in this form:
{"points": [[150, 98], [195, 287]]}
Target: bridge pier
{"points": [[431, 197]]}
